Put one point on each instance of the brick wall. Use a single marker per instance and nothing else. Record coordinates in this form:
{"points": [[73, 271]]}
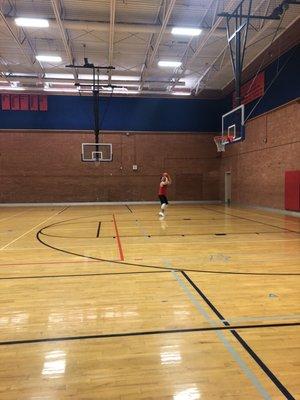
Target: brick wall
{"points": [[45, 166], [257, 165]]}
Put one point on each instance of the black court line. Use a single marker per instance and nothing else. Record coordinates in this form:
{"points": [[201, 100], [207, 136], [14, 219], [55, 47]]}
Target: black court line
{"points": [[81, 275], [252, 220], [61, 211], [129, 208], [232, 330], [166, 235], [39, 233], [145, 333], [98, 230]]}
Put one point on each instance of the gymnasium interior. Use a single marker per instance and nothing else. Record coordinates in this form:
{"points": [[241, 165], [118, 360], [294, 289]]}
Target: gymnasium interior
{"points": [[109, 290]]}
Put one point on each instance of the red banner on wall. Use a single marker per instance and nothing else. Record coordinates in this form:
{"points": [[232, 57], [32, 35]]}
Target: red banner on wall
{"points": [[43, 103], [5, 101], [251, 90], [24, 102], [34, 102], [15, 102]]}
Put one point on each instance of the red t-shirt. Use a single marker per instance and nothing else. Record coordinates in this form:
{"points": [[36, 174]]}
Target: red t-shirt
{"points": [[162, 190]]}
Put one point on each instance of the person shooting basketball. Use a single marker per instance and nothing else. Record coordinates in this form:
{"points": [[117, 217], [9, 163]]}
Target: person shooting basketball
{"points": [[165, 181]]}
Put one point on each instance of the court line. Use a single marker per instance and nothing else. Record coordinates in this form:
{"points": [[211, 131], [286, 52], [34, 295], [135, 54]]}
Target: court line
{"points": [[118, 239], [128, 208], [64, 210], [234, 354], [81, 275], [143, 333], [244, 344], [40, 232], [98, 230], [249, 219], [30, 230], [168, 235]]}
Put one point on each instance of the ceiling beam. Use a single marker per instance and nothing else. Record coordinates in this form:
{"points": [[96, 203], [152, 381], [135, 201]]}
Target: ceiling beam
{"points": [[192, 44], [21, 43], [161, 33], [153, 48], [56, 5]]}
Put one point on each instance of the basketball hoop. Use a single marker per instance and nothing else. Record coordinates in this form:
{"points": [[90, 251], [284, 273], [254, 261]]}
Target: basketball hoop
{"points": [[221, 141]]}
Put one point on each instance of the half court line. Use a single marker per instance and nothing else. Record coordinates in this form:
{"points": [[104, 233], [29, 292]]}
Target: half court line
{"points": [[142, 333]]}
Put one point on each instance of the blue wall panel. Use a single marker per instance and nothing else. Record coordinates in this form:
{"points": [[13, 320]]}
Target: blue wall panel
{"points": [[283, 88], [120, 113], [282, 84]]}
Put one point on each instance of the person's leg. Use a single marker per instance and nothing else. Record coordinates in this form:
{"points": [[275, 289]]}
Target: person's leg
{"points": [[164, 204], [161, 199]]}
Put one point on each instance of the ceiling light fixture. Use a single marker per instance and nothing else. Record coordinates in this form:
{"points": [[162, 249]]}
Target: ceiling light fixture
{"points": [[32, 22], [62, 83], [59, 76], [11, 88], [90, 77], [54, 59], [181, 93], [125, 78], [186, 31], [169, 64], [61, 90]]}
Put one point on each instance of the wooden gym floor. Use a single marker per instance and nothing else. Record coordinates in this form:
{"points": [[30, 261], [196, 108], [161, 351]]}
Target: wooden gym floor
{"points": [[109, 302]]}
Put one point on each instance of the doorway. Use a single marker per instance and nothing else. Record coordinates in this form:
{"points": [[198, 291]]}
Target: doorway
{"points": [[228, 187]]}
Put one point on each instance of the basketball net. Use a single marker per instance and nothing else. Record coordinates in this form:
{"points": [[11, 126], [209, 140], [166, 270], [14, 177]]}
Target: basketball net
{"points": [[221, 142]]}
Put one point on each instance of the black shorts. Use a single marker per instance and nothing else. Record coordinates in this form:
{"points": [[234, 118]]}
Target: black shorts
{"points": [[163, 199]]}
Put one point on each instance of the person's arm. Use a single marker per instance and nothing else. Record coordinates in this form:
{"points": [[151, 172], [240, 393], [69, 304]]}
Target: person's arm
{"points": [[164, 182], [169, 180]]}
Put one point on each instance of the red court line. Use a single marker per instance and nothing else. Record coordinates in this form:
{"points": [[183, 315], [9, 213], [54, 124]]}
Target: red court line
{"points": [[118, 240]]}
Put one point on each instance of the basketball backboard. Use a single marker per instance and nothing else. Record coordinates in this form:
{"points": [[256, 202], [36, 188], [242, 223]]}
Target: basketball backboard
{"points": [[96, 152], [233, 124]]}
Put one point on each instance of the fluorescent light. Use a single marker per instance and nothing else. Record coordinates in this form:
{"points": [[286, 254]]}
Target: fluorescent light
{"points": [[55, 59], [115, 90], [122, 90], [181, 93], [59, 76], [88, 77], [171, 64], [11, 88], [186, 31], [125, 78], [61, 83], [61, 90], [20, 74], [32, 22]]}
